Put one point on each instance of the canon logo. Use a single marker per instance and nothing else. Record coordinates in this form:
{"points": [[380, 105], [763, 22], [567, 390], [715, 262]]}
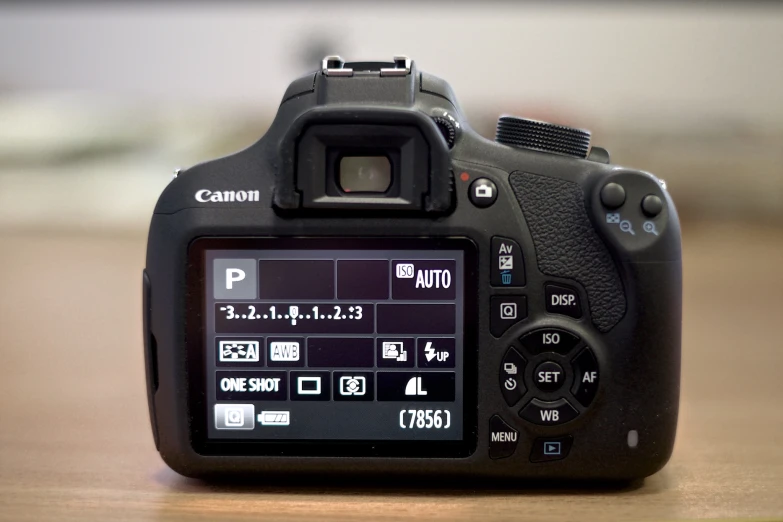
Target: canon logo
{"points": [[225, 196]]}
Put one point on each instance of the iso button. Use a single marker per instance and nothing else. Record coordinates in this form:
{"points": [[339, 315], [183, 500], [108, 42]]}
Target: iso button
{"points": [[549, 340], [507, 264]]}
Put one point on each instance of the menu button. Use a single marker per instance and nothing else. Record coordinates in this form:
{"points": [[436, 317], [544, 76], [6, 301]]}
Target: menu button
{"points": [[503, 439]]}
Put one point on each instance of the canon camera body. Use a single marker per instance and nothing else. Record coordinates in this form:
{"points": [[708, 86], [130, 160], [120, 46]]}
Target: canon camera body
{"points": [[374, 289]]}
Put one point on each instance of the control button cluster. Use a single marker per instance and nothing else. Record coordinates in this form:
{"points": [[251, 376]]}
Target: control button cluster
{"points": [[631, 210], [539, 367]]}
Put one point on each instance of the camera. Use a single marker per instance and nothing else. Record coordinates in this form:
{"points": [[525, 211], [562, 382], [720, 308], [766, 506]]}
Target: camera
{"points": [[373, 289]]}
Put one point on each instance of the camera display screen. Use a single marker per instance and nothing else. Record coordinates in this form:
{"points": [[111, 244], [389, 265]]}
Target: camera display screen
{"points": [[336, 340]]}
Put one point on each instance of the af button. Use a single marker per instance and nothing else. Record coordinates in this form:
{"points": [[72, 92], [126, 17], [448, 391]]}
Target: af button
{"points": [[585, 377]]}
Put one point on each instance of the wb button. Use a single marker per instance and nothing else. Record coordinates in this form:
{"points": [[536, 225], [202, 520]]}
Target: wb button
{"points": [[235, 278]]}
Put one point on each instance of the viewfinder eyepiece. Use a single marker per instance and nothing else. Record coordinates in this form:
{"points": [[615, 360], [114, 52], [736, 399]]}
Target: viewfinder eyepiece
{"points": [[364, 174]]}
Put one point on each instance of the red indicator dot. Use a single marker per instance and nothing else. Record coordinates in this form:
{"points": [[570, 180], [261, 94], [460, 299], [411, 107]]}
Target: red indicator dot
{"points": [[464, 176]]}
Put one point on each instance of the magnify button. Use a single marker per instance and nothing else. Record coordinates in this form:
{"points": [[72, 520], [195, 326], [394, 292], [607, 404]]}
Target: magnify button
{"points": [[649, 227], [626, 226]]}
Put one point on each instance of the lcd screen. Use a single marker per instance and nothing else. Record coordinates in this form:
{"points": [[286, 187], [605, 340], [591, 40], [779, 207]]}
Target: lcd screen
{"points": [[308, 340]]}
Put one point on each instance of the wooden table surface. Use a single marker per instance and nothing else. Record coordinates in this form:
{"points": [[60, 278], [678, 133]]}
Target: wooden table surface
{"points": [[75, 442]]}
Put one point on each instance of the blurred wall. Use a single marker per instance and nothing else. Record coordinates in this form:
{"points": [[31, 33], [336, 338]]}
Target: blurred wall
{"points": [[691, 91], [605, 60]]}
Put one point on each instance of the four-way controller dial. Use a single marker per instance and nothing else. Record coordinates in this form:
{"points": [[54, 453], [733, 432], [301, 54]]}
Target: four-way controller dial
{"points": [[558, 367], [545, 377]]}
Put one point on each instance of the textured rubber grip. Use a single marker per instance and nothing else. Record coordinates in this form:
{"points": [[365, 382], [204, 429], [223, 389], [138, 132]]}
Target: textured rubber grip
{"points": [[568, 246]]}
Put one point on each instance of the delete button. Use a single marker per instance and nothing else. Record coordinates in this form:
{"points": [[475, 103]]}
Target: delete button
{"points": [[430, 279]]}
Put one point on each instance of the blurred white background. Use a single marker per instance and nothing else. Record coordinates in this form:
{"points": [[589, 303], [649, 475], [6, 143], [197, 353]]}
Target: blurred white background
{"points": [[102, 101]]}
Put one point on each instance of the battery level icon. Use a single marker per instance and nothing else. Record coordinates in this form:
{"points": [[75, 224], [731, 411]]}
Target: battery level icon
{"points": [[274, 418]]}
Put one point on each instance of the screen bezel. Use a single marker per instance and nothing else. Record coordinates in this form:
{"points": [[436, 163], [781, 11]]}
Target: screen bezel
{"points": [[196, 352]]}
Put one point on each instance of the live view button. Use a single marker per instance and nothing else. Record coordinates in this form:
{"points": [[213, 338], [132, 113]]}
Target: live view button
{"points": [[548, 449]]}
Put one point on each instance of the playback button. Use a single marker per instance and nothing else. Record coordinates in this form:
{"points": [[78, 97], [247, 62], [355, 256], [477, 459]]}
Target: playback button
{"points": [[507, 264], [549, 449]]}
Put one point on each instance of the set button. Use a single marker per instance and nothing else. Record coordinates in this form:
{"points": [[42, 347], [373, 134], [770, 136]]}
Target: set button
{"points": [[549, 376]]}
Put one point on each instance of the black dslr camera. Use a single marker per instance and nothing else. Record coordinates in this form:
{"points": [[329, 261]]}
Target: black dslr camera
{"points": [[374, 289]]}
